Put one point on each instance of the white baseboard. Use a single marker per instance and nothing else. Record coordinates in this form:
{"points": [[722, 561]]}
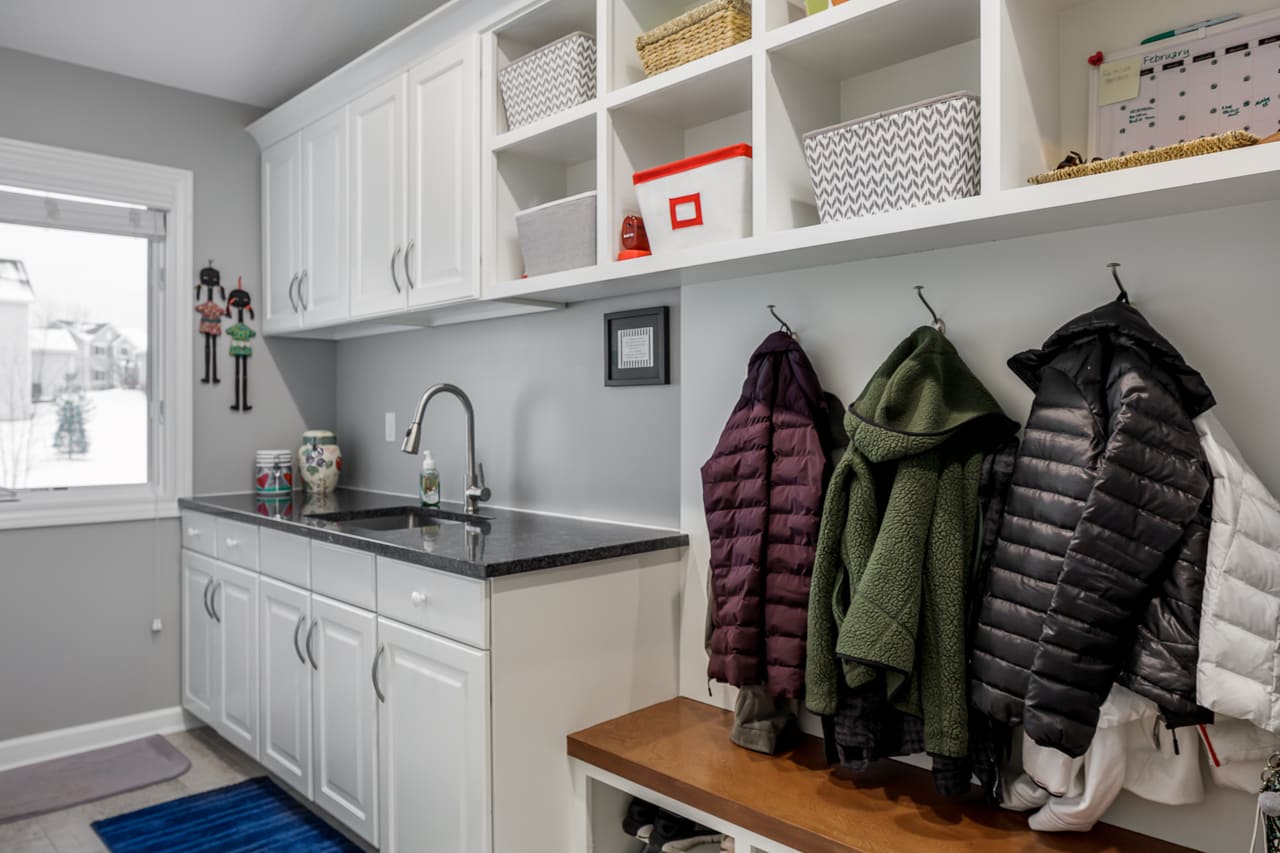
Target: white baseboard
{"points": [[56, 744]]}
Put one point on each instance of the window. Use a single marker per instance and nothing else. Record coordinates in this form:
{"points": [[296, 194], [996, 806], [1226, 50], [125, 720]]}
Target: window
{"points": [[94, 408]]}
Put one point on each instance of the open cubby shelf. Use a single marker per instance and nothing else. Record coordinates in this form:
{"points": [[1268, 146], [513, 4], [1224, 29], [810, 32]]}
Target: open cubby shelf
{"points": [[798, 73]]}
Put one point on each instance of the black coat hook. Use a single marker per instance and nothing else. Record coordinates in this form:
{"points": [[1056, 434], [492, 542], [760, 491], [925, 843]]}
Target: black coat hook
{"points": [[1115, 273], [781, 322], [937, 321]]}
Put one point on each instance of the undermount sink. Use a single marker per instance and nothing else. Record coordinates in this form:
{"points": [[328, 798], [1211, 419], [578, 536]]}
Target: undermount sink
{"points": [[396, 518]]}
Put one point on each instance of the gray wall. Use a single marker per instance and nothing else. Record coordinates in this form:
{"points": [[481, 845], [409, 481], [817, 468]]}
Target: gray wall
{"points": [[1207, 281], [550, 435], [76, 603]]}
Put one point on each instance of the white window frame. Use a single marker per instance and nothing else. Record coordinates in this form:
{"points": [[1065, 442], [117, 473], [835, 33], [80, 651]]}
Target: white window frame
{"points": [[59, 170]]}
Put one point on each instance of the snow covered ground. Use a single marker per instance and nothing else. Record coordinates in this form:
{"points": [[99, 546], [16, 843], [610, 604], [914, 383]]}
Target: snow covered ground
{"points": [[116, 424]]}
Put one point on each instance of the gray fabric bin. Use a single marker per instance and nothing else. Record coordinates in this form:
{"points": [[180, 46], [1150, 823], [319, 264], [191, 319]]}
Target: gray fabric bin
{"points": [[550, 80], [559, 235]]}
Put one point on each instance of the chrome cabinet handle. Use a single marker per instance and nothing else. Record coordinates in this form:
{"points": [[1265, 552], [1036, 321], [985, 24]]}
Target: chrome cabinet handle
{"points": [[207, 586], [418, 598], [293, 281], [302, 620], [408, 277], [213, 602], [193, 531], [301, 298], [233, 543], [394, 280], [377, 691], [310, 653]]}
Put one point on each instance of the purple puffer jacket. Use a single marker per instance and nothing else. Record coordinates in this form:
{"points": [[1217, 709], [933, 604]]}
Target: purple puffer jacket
{"points": [[762, 489]]}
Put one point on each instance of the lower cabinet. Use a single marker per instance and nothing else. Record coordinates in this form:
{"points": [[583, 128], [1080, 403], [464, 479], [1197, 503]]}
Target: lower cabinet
{"points": [[220, 648], [344, 716], [284, 612], [433, 734]]}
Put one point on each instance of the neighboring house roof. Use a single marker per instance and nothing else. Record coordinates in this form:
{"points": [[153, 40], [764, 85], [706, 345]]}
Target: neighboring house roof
{"points": [[53, 341], [15, 285]]}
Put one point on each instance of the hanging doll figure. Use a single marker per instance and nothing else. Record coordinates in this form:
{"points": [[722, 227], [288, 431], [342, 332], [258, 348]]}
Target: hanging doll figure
{"points": [[211, 314], [240, 335]]}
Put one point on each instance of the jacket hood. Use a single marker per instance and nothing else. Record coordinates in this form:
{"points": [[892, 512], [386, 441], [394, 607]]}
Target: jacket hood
{"points": [[1121, 323], [782, 345], [920, 397]]}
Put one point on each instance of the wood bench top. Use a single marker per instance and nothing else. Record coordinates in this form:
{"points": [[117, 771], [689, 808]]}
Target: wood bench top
{"points": [[681, 749]]}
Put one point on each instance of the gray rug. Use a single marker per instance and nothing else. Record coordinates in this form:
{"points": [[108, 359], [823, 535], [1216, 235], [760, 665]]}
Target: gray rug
{"points": [[65, 782]]}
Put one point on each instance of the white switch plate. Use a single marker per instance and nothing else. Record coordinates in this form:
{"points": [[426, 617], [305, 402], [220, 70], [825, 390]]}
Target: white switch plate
{"points": [[391, 426]]}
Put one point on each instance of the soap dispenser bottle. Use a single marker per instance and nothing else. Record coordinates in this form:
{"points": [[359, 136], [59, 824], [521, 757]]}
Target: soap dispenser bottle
{"points": [[429, 481]]}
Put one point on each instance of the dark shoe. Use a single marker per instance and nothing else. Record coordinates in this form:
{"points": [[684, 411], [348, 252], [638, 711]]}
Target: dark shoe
{"points": [[668, 827], [639, 815]]}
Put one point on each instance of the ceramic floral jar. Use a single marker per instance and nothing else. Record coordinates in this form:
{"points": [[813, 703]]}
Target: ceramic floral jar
{"points": [[320, 461]]}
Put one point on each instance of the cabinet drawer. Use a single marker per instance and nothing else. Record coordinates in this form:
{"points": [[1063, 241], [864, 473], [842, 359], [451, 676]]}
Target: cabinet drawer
{"points": [[199, 532], [285, 557], [238, 543], [343, 574], [439, 602]]}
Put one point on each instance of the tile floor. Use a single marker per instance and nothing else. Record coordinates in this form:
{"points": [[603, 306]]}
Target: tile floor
{"points": [[214, 764]]}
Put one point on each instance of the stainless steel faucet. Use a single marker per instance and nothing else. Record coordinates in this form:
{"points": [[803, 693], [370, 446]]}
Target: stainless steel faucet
{"points": [[476, 490]]}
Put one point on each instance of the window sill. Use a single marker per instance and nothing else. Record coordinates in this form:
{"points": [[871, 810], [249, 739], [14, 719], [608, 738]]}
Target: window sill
{"points": [[101, 506]]}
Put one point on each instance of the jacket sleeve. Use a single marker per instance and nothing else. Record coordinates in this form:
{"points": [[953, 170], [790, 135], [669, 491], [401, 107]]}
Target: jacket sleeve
{"points": [[1150, 485]]}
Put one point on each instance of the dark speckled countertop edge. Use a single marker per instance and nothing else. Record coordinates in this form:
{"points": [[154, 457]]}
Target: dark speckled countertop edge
{"points": [[646, 542]]}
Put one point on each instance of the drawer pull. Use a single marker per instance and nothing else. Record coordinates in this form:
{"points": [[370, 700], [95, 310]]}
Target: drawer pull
{"points": [[193, 531], [418, 598], [233, 543]]}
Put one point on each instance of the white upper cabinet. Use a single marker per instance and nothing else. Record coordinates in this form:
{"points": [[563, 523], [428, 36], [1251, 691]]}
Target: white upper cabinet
{"points": [[323, 291], [378, 181], [441, 257], [281, 240]]}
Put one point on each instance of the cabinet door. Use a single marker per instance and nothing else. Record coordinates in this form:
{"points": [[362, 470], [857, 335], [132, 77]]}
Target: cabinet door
{"points": [[345, 719], [284, 614], [281, 254], [443, 128], [434, 742], [235, 607], [378, 200], [324, 283], [199, 638]]}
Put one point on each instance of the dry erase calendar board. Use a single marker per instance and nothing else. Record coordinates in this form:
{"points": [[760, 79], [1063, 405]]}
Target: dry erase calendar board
{"points": [[1212, 81]]}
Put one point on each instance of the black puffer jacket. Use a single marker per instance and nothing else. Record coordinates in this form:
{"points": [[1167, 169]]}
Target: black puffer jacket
{"points": [[1105, 530]]}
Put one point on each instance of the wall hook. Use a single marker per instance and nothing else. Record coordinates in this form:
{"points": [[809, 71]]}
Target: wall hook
{"points": [[937, 321], [1115, 273], [781, 322]]}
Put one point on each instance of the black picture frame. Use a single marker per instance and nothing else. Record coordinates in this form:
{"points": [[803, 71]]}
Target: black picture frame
{"points": [[656, 342]]}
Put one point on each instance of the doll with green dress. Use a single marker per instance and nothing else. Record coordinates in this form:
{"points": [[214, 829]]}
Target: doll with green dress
{"points": [[240, 335]]}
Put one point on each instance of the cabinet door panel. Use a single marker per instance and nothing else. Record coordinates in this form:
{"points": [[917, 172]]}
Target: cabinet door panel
{"points": [[281, 255], [434, 742], [346, 726], [285, 684], [324, 288], [378, 200], [235, 604], [199, 639], [442, 144]]}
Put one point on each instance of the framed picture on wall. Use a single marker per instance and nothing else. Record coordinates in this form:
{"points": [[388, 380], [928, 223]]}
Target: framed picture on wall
{"points": [[635, 347]]}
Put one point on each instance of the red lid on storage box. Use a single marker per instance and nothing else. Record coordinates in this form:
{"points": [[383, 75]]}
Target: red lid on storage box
{"points": [[694, 162]]}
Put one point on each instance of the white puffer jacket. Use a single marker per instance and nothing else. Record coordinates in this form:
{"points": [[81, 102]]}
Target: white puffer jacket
{"points": [[1239, 668]]}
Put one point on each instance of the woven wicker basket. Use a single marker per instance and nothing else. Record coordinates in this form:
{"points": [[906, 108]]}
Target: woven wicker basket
{"points": [[709, 28], [1194, 148]]}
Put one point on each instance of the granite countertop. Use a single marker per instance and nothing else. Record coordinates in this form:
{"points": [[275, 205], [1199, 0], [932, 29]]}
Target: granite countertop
{"points": [[501, 542]]}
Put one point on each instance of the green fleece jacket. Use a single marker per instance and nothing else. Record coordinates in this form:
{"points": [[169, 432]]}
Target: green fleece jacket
{"points": [[898, 537]]}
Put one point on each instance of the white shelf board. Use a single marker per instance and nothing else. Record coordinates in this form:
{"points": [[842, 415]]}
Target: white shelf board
{"points": [[860, 37], [542, 23], [1215, 181], [566, 137], [702, 91]]}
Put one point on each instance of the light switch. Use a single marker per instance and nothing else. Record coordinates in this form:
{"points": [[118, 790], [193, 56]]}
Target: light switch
{"points": [[391, 426]]}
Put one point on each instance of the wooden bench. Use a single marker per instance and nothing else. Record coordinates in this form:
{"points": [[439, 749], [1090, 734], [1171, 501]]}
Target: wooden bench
{"points": [[679, 752]]}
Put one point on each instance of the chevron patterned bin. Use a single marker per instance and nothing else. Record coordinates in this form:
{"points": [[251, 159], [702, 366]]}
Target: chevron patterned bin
{"points": [[920, 154], [550, 80]]}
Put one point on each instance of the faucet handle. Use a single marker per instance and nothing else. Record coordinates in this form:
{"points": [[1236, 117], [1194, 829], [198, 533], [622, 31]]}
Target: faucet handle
{"points": [[479, 491]]}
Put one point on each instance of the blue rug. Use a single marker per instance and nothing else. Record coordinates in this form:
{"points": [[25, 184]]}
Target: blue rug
{"points": [[252, 816]]}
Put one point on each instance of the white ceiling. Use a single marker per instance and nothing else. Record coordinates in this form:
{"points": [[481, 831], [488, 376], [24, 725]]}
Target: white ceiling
{"points": [[259, 52]]}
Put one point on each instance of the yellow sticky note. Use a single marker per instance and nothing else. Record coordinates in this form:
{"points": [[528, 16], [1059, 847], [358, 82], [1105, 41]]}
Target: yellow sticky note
{"points": [[1119, 81]]}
